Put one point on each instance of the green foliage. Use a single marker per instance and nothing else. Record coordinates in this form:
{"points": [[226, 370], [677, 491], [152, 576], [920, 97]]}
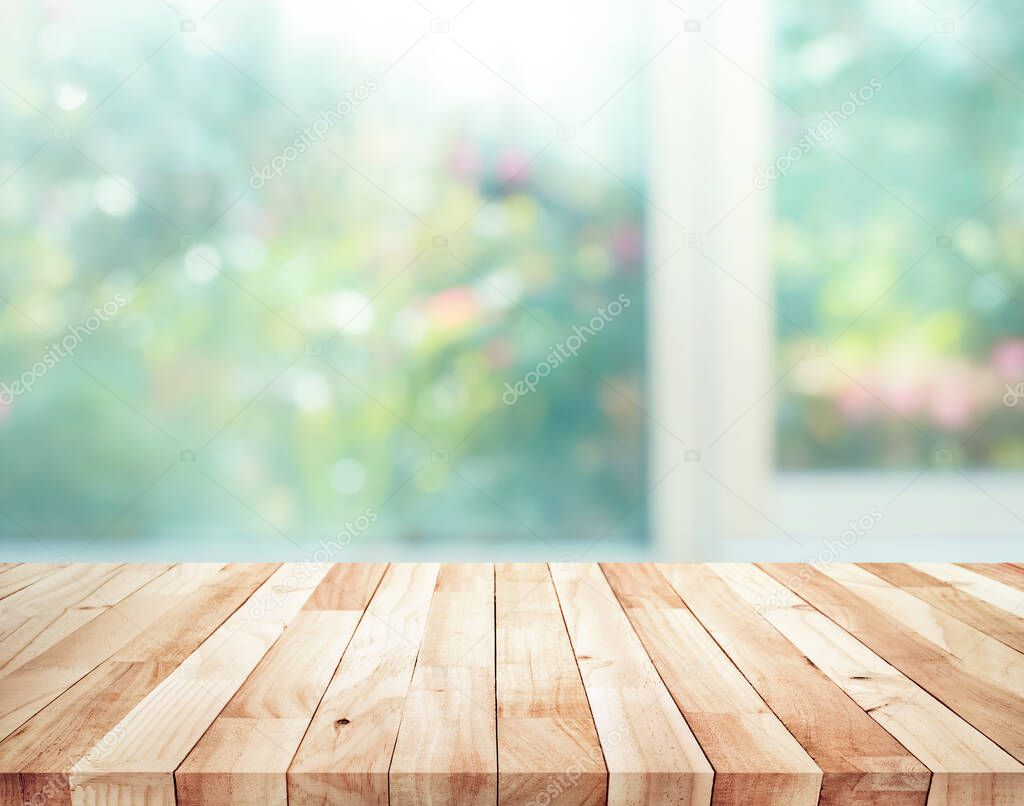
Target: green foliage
{"points": [[305, 341], [923, 337]]}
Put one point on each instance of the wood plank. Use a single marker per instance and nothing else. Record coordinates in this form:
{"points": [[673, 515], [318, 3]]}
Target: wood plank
{"points": [[991, 709], [51, 592], [346, 753], [756, 760], [966, 767], [175, 636], [24, 691], [31, 610], [991, 591], [154, 738], [547, 743], [243, 757], [861, 763], [345, 586], [446, 750], [1011, 574], [976, 652], [23, 575], [35, 760], [981, 615], [515, 683], [651, 754], [81, 605]]}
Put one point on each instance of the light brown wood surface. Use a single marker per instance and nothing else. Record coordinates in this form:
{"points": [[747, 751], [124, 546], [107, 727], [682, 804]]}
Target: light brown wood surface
{"points": [[244, 755], [994, 592], [756, 760], [446, 750], [992, 709], [651, 754], [974, 652], [45, 675], [1011, 574], [347, 751], [966, 767], [545, 733], [154, 738], [21, 575], [514, 683], [998, 622], [36, 760], [861, 763]]}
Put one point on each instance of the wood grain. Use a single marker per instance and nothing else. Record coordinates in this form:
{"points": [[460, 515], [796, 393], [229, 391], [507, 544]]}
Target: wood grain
{"points": [[81, 604], [244, 755], [651, 754], [861, 763], [22, 575], [518, 683], [347, 751], [756, 760], [66, 594], [980, 614], [36, 760], [966, 766], [547, 742], [154, 738], [44, 676], [1011, 574], [974, 651], [995, 593], [446, 750], [991, 709]]}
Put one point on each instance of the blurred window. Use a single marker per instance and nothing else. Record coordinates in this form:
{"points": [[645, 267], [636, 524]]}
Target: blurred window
{"points": [[328, 240], [897, 235]]}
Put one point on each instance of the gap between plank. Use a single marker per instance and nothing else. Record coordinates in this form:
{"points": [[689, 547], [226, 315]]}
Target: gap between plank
{"points": [[838, 690], [899, 668], [657, 671], [576, 660]]}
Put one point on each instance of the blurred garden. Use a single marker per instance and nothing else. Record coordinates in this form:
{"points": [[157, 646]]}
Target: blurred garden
{"points": [[333, 340], [899, 244], [325, 238]]}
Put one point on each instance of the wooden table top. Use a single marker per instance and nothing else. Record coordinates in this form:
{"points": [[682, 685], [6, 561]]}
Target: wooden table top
{"points": [[564, 684]]}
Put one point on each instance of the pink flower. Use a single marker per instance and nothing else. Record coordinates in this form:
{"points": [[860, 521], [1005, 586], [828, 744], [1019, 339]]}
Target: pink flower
{"points": [[903, 395], [464, 160], [453, 307], [952, 408], [627, 244], [952, 402], [856, 403], [512, 166], [1008, 359]]}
